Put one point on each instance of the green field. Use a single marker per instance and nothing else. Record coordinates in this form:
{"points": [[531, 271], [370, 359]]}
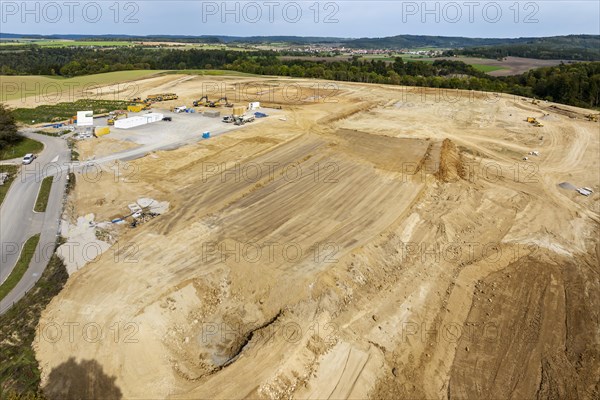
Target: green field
{"points": [[117, 43], [64, 111], [210, 72], [21, 266], [65, 43], [486, 68], [18, 150], [44, 194], [200, 46], [12, 173], [413, 57], [57, 89]]}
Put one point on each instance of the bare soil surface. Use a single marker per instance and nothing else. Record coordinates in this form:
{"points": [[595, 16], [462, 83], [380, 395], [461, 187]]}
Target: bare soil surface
{"points": [[378, 242]]}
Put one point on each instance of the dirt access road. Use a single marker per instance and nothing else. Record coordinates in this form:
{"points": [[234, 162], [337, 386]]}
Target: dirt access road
{"points": [[387, 244]]}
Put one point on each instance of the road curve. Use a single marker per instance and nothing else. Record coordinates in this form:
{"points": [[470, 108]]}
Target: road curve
{"points": [[18, 221]]}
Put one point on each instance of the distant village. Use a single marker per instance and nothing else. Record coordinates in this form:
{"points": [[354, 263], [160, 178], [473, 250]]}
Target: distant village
{"points": [[360, 52]]}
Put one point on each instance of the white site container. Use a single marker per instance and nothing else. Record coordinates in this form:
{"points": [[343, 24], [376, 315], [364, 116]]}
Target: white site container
{"points": [[153, 117], [138, 120], [85, 118], [254, 105]]}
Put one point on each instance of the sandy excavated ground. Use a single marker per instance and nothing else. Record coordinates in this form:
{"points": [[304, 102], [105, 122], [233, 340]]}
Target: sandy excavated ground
{"points": [[385, 244]]}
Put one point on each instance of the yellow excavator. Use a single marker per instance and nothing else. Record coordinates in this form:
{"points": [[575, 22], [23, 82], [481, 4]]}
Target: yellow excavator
{"points": [[115, 115], [218, 103], [198, 103]]}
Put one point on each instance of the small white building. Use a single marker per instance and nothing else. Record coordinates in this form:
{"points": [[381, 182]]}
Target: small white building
{"points": [[138, 120], [254, 105], [85, 118]]}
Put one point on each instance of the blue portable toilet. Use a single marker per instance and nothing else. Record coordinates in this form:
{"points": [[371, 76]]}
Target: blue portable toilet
{"points": [[205, 135]]}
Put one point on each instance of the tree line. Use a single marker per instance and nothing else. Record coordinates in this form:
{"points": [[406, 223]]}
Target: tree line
{"points": [[8, 128], [572, 47], [575, 84]]}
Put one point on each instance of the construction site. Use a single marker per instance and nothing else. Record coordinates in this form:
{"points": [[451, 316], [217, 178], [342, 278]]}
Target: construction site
{"points": [[358, 241]]}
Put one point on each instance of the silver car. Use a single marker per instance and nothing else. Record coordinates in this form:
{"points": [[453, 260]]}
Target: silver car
{"points": [[28, 159]]}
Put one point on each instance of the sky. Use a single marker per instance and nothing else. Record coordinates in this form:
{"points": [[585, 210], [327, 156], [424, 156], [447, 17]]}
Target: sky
{"points": [[303, 18]]}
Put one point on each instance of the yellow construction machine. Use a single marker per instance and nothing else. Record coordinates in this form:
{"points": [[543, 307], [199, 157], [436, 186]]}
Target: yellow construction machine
{"points": [[138, 106], [592, 117], [115, 115], [534, 122], [161, 97]]}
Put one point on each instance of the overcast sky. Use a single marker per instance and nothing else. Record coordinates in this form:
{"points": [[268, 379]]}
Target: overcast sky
{"points": [[304, 18]]}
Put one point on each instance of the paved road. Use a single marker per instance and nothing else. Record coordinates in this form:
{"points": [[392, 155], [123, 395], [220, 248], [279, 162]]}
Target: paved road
{"points": [[18, 221]]}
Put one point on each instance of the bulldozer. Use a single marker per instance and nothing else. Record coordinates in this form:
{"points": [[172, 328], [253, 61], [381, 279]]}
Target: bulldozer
{"points": [[534, 122]]}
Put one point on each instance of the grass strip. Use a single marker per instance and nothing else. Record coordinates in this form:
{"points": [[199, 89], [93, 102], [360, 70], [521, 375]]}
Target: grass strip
{"points": [[21, 266], [42, 200]]}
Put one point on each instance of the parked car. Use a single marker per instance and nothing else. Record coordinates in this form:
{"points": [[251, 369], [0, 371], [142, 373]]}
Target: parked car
{"points": [[28, 159], [168, 119]]}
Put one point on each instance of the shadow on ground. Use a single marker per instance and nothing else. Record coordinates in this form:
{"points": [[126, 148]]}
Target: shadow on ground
{"points": [[84, 380]]}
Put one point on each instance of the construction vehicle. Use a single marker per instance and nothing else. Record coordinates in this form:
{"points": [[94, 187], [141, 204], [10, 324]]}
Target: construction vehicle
{"points": [[535, 102], [138, 106], [227, 103], [161, 97], [228, 119], [218, 103], [534, 122], [243, 119], [198, 103], [592, 117], [115, 115]]}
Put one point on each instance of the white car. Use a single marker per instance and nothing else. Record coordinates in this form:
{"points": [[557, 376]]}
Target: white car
{"points": [[28, 159]]}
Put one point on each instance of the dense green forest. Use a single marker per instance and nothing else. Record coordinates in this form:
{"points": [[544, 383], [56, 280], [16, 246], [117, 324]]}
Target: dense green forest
{"points": [[576, 84], [575, 47]]}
